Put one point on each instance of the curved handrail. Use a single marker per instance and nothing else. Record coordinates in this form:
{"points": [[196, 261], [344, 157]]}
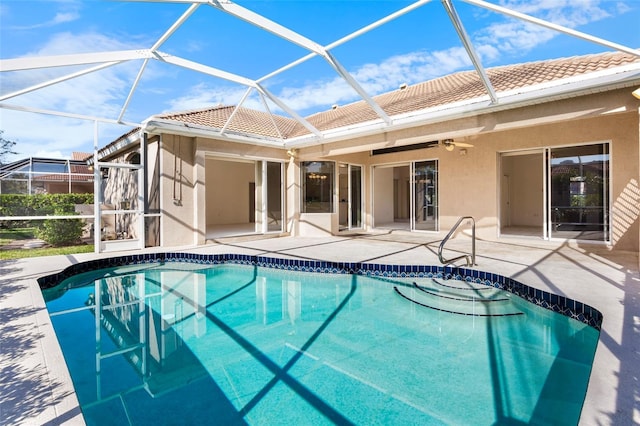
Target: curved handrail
{"points": [[471, 261]]}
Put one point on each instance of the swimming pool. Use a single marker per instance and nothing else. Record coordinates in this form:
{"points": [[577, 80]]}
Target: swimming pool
{"points": [[247, 340]]}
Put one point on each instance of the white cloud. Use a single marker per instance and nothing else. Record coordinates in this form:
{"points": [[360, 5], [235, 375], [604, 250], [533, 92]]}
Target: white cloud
{"points": [[504, 36], [70, 14], [79, 95], [62, 17], [50, 154], [512, 35], [102, 93], [36, 134], [99, 94], [377, 78], [203, 96]]}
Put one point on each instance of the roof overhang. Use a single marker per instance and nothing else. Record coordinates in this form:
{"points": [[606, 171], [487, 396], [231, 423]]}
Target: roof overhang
{"points": [[606, 80]]}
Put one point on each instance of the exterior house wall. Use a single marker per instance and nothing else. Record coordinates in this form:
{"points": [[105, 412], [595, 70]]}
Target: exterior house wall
{"points": [[382, 186], [180, 183], [469, 184], [522, 206], [209, 174], [228, 180]]}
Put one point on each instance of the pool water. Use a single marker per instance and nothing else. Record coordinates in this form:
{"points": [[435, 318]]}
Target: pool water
{"points": [[231, 344]]}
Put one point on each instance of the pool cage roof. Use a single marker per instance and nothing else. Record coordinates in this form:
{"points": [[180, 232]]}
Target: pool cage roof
{"points": [[274, 105]]}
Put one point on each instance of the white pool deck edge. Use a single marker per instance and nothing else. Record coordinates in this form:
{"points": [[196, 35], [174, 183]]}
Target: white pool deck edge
{"points": [[36, 389]]}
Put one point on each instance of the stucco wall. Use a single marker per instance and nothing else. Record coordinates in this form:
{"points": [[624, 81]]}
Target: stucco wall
{"points": [[470, 181], [470, 184], [180, 183], [382, 195], [522, 193], [228, 191]]}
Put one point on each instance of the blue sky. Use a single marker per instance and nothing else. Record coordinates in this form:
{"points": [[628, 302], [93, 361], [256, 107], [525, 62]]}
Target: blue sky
{"points": [[415, 47]]}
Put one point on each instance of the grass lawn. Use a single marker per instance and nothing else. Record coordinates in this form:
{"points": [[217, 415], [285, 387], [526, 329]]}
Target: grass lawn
{"points": [[10, 235], [45, 251]]}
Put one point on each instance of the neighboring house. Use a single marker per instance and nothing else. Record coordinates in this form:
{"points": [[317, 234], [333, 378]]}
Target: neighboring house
{"points": [[36, 175], [555, 155]]}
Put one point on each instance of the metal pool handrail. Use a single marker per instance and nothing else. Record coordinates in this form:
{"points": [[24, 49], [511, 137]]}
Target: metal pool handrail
{"points": [[471, 260]]}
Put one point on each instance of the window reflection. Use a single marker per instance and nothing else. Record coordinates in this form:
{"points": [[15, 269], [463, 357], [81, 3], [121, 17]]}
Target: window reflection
{"points": [[580, 192], [317, 186]]}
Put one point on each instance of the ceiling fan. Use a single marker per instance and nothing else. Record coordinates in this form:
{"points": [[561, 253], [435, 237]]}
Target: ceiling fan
{"points": [[450, 145]]}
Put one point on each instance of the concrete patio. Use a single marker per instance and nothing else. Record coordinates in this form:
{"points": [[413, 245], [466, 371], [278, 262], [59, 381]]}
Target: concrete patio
{"points": [[35, 387]]}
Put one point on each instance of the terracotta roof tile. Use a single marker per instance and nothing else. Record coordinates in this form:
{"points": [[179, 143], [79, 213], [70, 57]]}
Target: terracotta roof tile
{"points": [[467, 85], [244, 121], [461, 86], [80, 155]]}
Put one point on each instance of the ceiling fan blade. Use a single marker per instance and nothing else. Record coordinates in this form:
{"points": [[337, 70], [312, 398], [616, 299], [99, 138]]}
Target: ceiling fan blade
{"points": [[463, 145]]}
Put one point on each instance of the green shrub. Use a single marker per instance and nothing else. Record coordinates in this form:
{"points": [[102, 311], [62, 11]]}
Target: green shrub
{"points": [[38, 205], [60, 232]]}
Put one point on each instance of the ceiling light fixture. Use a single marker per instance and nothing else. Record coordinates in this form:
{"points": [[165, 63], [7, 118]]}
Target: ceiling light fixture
{"points": [[448, 144], [636, 93]]}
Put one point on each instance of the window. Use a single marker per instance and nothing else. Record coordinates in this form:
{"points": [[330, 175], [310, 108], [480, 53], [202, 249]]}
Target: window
{"points": [[134, 158], [579, 192], [317, 186]]}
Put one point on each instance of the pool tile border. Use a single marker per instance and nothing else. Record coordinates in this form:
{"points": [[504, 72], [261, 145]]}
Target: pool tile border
{"points": [[560, 304]]}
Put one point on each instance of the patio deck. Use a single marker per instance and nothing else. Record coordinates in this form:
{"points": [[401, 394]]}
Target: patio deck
{"points": [[36, 387]]}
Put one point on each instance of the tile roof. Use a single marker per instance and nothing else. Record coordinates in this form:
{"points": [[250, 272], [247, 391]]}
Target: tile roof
{"points": [[80, 155], [83, 176], [458, 87], [245, 120], [467, 85]]}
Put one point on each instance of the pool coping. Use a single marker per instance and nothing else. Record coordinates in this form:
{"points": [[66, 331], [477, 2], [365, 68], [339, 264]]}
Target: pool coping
{"points": [[547, 300], [592, 273]]}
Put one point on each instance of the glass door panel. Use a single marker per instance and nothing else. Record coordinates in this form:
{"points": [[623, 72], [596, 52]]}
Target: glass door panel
{"points": [[274, 196], [425, 195], [355, 199], [349, 194], [579, 192]]}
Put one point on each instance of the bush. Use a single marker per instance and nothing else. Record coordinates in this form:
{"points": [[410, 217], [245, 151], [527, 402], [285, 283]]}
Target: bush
{"points": [[38, 205], [60, 232], [41, 204]]}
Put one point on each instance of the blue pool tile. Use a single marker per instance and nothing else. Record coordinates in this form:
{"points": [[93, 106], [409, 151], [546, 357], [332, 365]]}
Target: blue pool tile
{"points": [[556, 303]]}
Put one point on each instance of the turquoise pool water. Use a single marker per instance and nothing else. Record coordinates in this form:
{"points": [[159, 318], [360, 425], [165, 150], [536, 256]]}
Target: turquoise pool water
{"points": [[230, 344]]}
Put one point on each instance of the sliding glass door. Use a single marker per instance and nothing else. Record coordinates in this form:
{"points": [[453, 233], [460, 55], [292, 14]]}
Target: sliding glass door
{"points": [[578, 192], [405, 196], [425, 196], [270, 205], [350, 196]]}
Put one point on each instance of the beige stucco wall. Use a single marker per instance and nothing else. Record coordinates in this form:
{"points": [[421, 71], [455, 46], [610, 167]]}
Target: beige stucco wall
{"points": [[469, 184], [521, 190], [227, 192], [180, 182], [382, 189]]}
